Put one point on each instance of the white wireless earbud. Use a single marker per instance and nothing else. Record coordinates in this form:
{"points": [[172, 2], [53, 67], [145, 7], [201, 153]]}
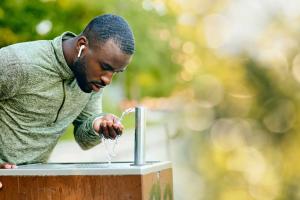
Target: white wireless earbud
{"points": [[80, 50]]}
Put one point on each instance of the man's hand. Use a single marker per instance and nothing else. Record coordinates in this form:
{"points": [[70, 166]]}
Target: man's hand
{"points": [[7, 166], [109, 125]]}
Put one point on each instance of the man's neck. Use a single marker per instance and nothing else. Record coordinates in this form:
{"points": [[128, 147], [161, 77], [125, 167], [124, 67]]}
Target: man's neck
{"points": [[69, 51]]}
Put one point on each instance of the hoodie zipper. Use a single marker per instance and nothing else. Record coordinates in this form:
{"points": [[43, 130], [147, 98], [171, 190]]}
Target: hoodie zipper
{"points": [[63, 101]]}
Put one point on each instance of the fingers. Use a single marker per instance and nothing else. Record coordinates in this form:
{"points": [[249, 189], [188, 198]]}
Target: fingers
{"points": [[7, 166], [118, 127], [111, 127], [112, 132], [104, 130], [108, 130]]}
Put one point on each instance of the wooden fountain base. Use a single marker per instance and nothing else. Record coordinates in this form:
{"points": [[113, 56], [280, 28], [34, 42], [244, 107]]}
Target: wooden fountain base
{"points": [[87, 186]]}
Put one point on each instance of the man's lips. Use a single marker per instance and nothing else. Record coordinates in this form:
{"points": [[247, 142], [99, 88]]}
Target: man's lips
{"points": [[96, 87]]}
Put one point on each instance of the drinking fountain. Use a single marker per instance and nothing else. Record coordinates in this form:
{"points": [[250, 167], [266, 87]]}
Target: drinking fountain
{"points": [[135, 180], [139, 136]]}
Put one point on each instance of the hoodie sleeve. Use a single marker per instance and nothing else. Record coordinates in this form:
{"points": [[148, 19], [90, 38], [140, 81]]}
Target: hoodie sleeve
{"points": [[84, 133]]}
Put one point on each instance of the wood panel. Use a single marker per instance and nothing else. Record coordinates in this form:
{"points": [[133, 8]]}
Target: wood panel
{"points": [[158, 185], [71, 188], [125, 187]]}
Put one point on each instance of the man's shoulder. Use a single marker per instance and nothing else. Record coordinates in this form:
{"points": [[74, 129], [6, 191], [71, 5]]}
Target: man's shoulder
{"points": [[32, 58], [28, 52]]}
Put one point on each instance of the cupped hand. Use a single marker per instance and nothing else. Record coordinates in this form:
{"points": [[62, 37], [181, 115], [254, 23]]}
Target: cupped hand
{"points": [[108, 125]]}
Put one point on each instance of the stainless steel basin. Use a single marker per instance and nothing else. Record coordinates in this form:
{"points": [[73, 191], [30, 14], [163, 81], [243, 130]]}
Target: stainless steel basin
{"points": [[114, 168]]}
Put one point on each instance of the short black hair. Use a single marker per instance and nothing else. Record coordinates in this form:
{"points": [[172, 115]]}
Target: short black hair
{"points": [[109, 26]]}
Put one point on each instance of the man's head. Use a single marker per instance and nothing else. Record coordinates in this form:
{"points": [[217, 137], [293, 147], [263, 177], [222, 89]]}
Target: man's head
{"points": [[107, 46]]}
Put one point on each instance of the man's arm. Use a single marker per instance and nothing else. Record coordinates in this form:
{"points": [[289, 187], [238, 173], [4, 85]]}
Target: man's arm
{"points": [[92, 124], [84, 133]]}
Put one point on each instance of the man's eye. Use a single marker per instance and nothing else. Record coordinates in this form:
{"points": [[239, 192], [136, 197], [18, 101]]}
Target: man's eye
{"points": [[104, 67]]}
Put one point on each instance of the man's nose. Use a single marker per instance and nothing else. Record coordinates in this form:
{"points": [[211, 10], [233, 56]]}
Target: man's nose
{"points": [[107, 78]]}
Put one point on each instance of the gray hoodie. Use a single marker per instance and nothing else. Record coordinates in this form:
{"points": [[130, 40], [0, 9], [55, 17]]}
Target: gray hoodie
{"points": [[39, 99]]}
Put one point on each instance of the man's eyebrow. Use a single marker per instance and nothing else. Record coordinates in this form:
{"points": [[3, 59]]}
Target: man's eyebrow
{"points": [[110, 68]]}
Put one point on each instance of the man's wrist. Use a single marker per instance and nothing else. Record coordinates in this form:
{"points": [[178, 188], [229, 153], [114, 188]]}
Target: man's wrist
{"points": [[97, 133]]}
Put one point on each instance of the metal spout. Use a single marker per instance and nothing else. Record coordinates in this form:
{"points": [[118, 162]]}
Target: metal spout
{"points": [[139, 139]]}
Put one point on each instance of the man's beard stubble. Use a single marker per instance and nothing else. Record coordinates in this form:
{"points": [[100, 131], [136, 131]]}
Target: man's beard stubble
{"points": [[79, 70]]}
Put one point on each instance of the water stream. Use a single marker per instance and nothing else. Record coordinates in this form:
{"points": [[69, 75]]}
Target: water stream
{"points": [[110, 145]]}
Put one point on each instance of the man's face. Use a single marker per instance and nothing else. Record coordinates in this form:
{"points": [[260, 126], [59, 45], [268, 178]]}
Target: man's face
{"points": [[95, 68]]}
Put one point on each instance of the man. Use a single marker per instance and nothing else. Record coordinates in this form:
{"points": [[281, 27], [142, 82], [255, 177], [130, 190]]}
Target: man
{"points": [[47, 85]]}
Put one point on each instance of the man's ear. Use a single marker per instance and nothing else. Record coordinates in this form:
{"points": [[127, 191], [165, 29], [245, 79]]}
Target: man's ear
{"points": [[82, 41]]}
